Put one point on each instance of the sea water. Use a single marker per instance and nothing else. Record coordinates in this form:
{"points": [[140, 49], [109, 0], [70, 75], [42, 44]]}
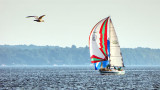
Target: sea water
{"points": [[78, 78]]}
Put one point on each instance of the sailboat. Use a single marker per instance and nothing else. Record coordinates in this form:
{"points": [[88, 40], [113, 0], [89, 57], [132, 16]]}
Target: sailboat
{"points": [[104, 48]]}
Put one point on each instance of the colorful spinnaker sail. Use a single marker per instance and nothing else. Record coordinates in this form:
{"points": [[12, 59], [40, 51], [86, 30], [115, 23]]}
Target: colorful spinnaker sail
{"points": [[98, 41]]}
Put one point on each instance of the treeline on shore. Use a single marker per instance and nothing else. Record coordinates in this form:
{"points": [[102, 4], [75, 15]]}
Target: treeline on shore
{"points": [[55, 55]]}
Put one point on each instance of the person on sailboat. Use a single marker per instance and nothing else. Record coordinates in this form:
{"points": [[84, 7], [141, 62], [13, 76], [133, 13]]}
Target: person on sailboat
{"points": [[115, 67], [119, 69], [108, 66]]}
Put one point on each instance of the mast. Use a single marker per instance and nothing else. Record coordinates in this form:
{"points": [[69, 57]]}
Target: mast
{"points": [[115, 53]]}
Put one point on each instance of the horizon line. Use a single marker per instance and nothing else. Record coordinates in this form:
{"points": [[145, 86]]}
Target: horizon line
{"points": [[66, 46]]}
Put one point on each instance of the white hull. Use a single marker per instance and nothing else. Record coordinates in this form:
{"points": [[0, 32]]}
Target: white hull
{"points": [[112, 72]]}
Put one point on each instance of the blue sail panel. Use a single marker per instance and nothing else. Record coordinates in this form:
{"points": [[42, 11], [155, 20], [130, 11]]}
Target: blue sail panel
{"points": [[108, 48], [97, 65], [105, 63]]}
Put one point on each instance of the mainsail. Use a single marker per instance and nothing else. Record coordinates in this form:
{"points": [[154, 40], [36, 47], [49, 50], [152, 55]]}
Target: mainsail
{"points": [[115, 53], [102, 49]]}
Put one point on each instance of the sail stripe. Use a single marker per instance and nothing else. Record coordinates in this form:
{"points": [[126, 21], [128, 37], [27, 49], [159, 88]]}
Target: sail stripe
{"points": [[93, 56], [103, 38], [100, 32], [96, 61]]}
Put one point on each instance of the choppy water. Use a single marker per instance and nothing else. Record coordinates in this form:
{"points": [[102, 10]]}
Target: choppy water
{"points": [[77, 78]]}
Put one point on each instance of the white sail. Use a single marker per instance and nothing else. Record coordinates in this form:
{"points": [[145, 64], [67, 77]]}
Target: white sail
{"points": [[115, 53]]}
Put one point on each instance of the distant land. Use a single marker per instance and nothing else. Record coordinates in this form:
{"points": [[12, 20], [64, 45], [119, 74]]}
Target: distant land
{"points": [[55, 55]]}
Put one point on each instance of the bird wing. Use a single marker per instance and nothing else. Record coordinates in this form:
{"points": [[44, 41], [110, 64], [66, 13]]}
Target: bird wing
{"points": [[36, 17], [41, 17]]}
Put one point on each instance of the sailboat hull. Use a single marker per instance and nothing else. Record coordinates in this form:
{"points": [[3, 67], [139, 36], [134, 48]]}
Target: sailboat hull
{"points": [[112, 72]]}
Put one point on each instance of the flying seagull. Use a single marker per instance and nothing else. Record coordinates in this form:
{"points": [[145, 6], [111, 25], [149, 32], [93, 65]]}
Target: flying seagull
{"points": [[38, 19]]}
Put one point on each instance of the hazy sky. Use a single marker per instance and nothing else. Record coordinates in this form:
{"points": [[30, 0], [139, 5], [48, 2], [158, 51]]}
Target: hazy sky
{"points": [[68, 22]]}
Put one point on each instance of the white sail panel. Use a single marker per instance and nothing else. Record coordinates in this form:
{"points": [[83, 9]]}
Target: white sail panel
{"points": [[112, 36], [97, 34], [115, 53], [116, 61], [94, 50]]}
